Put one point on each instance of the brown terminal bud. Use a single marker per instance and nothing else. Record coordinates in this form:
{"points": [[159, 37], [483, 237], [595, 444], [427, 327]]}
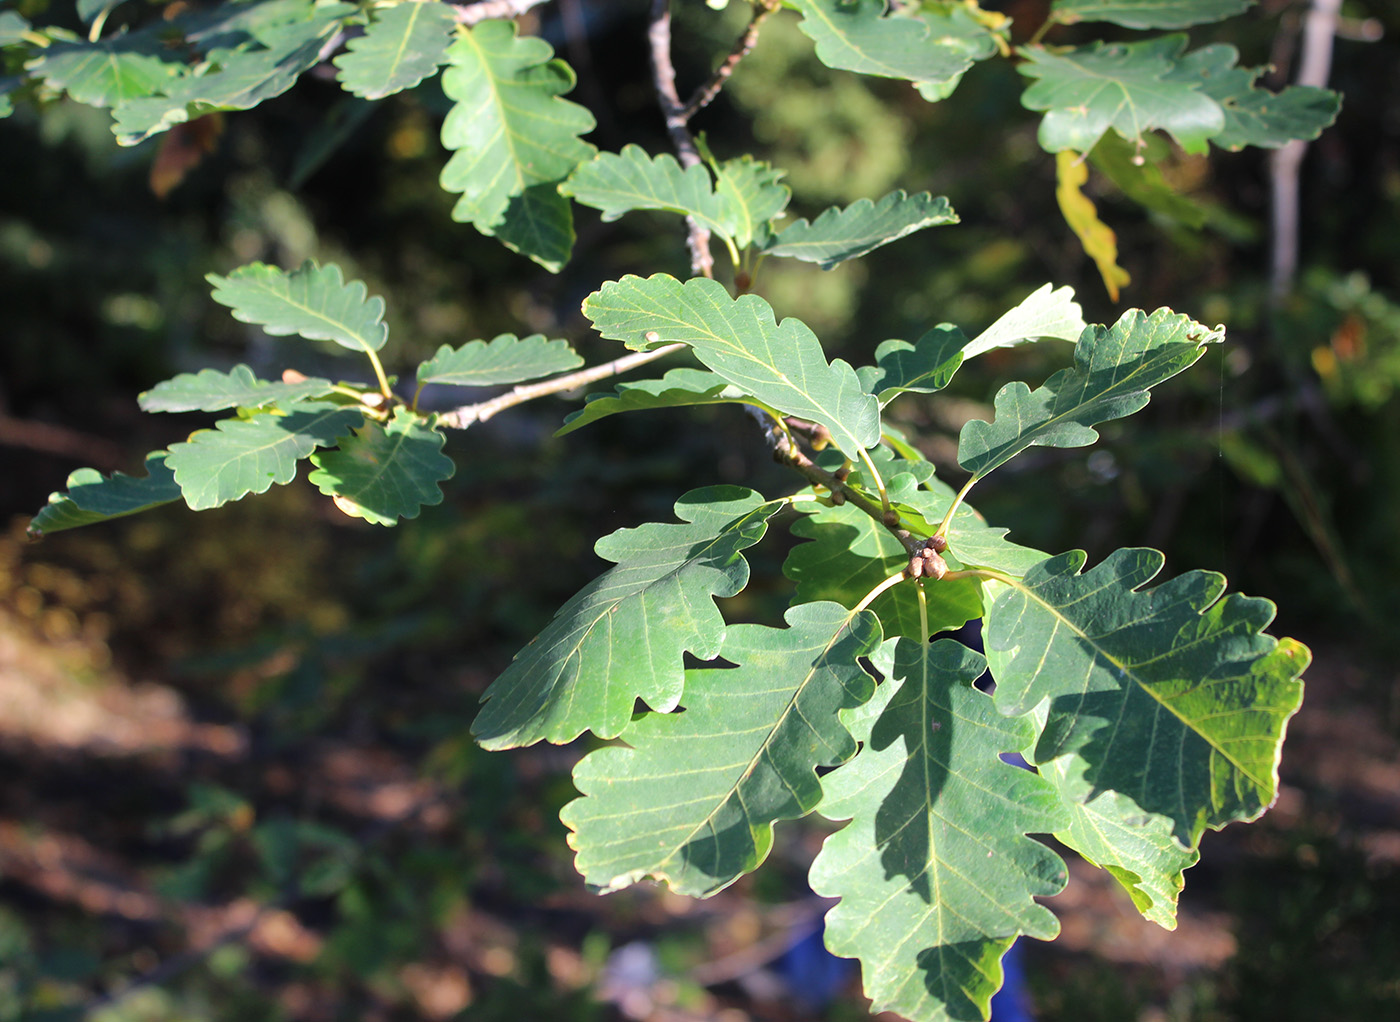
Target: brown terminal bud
{"points": [[938, 543], [916, 567], [935, 567]]}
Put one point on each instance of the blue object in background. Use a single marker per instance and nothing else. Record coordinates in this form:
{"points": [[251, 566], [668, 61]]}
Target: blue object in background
{"points": [[1012, 1003]]}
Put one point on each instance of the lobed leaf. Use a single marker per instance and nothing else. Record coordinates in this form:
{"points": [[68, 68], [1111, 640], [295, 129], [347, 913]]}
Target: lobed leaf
{"points": [[1172, 696], [403, 45], [693, 800], [1255, 116], [1112, 831], [779, 364], [504, 359], [105, 73], [384, 473], [621, 637], [92, 497], [243, 456], [936, 871], [1148, 13], [312, 301], [513, 139], [863, 226], [677, 388], [1046, 312], [1131, 88], [210, 390], [1097, 238], [750, 196], [618, 183], [1114, 369], [932, 50], [925, 367]]}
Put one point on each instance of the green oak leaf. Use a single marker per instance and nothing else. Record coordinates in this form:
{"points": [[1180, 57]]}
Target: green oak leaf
{"points": [[312, 301], [1148, 13], [677, 388], [1114, 369], [618, 183], [863, 226], [243, 456], [105, 73], [1112, 831], [1132, 88], [504, 359], [210, 390], [384, 473], [693, 800], [1142, 180], [402, 46], [779, 364], [750, 196], [1255, 116], [936, 871], [92, 497], [931, 52], [1046, 312], [511, 133], [622, 636], [12, 28], [1172, 696], [925, 367]]}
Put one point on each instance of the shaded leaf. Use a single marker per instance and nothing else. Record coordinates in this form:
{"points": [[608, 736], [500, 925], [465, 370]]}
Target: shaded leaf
{"points": [[863, 226], [12, 28], [92, 497], [1255, 116], [1148, 13], [779, 364], [693, 801], [1098, 239], [106, 73], [243, 456], [510, 132], [1172, 696], [1129, 87], [402, 46], [1114, 368], [1112, 831], [312, 301], [618, 183], [677, 388], [1045, 312], [210, 390], [935, 870], [384, 473], [1142, 181], [539, 224], [857, 35], [504, 359], [621, 637], [923, 368]]}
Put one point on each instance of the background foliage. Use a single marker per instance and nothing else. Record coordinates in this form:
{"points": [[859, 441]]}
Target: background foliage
{"points": [[318, 678]]}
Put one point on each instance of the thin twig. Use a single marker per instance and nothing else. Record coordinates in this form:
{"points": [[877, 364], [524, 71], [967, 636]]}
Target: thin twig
{"points": [[470, 14], [702, 263], [705, 94], [461, 418]]}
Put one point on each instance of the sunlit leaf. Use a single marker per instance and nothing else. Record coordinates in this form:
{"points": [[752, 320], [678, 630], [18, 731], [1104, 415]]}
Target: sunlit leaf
{"points": [[677, 388], [935, 870], [243, 456], [694, 799], [925, 367], [1148, 13], [780, 364], [1046, 312], [621, 637], [1172, 696], [750, 195], [618, 183], [313, 301], [210, 390], [1114, 368], [92, 497], [384, 473], [863, 226], [402, 46], [1099, 241], [504, 359]]}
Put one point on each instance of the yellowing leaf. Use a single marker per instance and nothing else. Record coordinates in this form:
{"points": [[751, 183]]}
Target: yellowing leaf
{"points": [[1099, 241]]}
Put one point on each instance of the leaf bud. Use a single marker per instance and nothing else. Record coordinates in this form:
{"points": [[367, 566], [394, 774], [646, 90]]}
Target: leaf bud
{"points": [[938, 543], [935, 567], [916, 567], [890, 518]]}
